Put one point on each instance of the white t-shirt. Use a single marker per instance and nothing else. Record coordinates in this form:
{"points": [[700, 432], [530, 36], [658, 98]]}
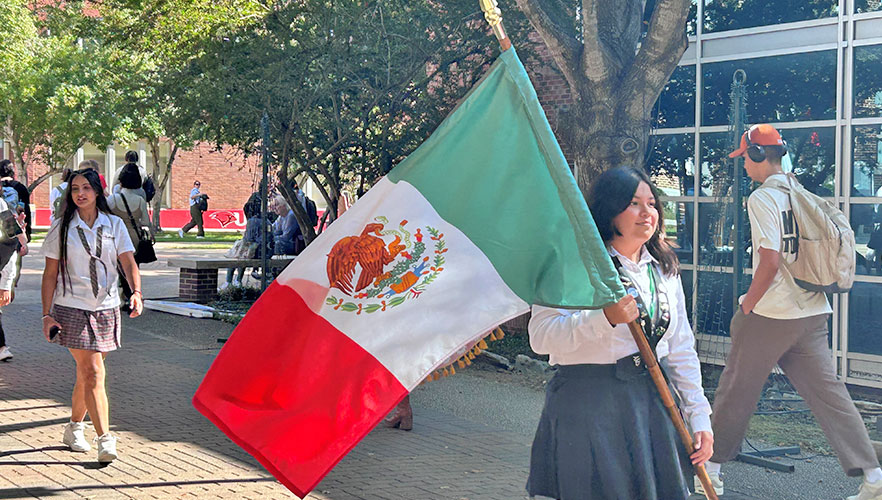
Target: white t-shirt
{"points": [[115, 242], [57, 192], [773, 226]]}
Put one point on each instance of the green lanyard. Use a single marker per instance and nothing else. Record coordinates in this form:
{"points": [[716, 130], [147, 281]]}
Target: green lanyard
{"points": [[652, 297]]}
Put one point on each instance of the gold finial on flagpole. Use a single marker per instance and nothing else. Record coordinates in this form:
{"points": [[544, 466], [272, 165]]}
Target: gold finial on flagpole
{"points": [[494, 18]]}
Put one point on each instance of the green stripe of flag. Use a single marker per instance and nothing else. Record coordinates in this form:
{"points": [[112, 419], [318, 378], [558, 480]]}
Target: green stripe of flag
{"points": [[507, 186]]}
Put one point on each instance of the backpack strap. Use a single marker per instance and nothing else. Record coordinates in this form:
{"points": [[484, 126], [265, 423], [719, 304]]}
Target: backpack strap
{"points": [[131, 217]]}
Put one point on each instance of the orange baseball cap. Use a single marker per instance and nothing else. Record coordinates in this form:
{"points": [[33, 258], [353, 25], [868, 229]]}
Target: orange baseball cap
{"points": [[761, 135]]}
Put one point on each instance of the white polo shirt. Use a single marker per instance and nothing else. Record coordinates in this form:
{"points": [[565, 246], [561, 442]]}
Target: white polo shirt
{"points": [[115, 242]]}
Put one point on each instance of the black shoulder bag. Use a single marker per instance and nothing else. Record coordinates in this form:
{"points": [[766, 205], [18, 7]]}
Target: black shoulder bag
{"points": [[144, 249]]}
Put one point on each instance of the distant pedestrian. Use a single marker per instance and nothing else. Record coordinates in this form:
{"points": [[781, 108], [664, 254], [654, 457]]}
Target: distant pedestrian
{"points": [[780, 323], [131, 169], [81, 303], [56, 196], [196, 209], [10, 260], [7, 177], [130, 206], [94, 165]]}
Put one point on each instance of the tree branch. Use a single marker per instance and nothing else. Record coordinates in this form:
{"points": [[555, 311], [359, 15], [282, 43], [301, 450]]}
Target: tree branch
{"points": [[597, 65], [564, 49], [657, 58]]}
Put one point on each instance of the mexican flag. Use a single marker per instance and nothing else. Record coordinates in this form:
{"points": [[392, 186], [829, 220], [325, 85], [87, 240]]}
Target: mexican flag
{"points": [[481, 221]]}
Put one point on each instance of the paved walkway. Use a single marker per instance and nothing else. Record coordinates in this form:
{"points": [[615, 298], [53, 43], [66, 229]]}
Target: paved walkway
{"points": [[471, 438]]}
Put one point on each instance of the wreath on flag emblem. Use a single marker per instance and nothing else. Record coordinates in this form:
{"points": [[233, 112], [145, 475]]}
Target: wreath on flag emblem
{"points": [[365, 259]]}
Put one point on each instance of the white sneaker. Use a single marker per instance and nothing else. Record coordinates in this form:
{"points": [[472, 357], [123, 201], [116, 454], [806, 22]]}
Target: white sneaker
{"points": [[237, 283], [75, 438], [868, 491], [181, 233], [106, 448], [716, 482], [200, 237], [5, 355]]}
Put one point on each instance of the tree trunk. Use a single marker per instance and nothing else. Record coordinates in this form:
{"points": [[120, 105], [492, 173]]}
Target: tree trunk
{"points": [[615, 72], [163, 173]]}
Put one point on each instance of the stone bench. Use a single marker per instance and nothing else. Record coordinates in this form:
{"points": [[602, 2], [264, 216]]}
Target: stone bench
{"points": [[199, 277]]}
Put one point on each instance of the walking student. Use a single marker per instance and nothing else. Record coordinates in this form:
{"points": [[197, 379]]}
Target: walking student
{"points": [[604, 432], [195, 213], [11, 252], [781, 323], [81, 301]]}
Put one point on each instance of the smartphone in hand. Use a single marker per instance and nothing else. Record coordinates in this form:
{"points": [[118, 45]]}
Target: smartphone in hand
{"points": [[53, 332]]}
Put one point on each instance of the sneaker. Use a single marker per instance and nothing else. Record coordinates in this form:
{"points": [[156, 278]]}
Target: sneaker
{"points": [[5, 355], [75, 438], [236, 283], [181, 233], [106, 448], [868, 491], [200, 237], [715, 481]]}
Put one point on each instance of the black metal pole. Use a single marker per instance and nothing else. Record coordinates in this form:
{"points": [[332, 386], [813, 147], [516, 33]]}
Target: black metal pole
{"points": [[738, 80], [264, 125]]}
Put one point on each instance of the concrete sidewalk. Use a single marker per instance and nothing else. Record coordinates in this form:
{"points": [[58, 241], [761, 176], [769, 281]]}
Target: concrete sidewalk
{"points": [[471, 438]]}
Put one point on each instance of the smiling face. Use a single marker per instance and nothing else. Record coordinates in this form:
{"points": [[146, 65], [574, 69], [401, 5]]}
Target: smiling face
{"points": [[82, 193], [637, 223]]}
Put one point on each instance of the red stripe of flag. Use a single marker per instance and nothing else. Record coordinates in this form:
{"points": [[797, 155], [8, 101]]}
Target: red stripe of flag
{"points": [[294, 391]]}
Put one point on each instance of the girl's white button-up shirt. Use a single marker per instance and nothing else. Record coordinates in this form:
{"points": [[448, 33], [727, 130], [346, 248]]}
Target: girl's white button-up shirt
{"points": [[571, 337], [115, 242]]}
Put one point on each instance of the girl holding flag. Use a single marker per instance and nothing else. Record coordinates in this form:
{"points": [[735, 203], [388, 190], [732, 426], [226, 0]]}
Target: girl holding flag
{"points": [[604, 432]]}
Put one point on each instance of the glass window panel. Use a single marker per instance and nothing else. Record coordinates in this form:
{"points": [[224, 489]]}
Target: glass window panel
{"points": [[868, 81], [779, 88], [675, 106], [721, 15], [866, 160], [686, 278], [716, 235], [812, 158], [714, 307], [716, 167], [678, 228], [867, 6], [671, 163], [865, 219], [864, 303]]}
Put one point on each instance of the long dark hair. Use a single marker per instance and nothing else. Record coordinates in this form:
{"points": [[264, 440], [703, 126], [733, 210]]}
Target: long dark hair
{"points": [[611, 193], [69, 209]]}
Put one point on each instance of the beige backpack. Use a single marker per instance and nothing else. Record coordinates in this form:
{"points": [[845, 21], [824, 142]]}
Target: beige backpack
{"points": [[825, 255]]}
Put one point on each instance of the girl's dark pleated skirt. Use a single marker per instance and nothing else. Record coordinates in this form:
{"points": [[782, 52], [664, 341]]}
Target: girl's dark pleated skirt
{"points": [[605, 435]]}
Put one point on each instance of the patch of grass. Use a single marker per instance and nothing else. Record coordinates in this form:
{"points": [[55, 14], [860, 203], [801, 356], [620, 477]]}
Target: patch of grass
{"points": [[233, 302], [790, 429], [199, 246], [171, 236]]}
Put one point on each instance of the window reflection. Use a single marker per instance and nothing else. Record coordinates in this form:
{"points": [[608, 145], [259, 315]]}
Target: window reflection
{"points": [[678, 227], [867, 6], [794, 87], [671, 163], [812, 157], [867, 161], [866, 220], [868, 81], [721, 15], [675, 106], [716, 167], [864, 304]]}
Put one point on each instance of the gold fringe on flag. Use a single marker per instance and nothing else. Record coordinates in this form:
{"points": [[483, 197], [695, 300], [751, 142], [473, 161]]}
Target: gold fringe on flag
{"points": [[466, 359]]}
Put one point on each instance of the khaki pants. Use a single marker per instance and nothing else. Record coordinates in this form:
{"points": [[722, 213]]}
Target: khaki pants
{"points": [[799, 347]]}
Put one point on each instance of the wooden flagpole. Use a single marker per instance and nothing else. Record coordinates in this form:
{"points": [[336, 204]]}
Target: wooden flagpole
{"points": [[494, 18], [668, 400]]}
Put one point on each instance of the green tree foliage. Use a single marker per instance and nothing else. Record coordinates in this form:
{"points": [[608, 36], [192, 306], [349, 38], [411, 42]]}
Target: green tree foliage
{"points": [[350, 87], [60, 90]]}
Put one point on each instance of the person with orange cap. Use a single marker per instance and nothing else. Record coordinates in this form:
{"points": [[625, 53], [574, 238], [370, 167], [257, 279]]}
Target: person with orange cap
{"points": [[780, 323]]}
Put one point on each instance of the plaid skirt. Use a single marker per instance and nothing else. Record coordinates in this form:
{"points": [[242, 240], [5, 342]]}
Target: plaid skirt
{"points": [[88, 330]]}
